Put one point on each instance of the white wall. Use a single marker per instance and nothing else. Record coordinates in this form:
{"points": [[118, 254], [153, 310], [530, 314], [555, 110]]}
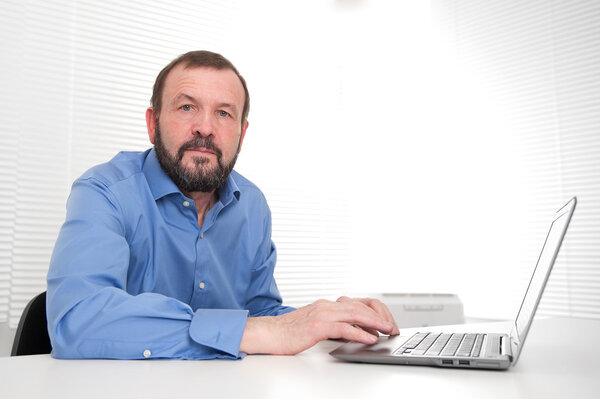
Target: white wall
{"points": [[365, 99], [454, 128]]}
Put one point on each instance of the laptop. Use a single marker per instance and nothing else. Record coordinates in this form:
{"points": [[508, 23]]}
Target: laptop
{"points": [[469, 350]]}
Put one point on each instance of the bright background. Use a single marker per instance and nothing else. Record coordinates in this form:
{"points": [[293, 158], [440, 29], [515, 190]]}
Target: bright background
{"points": [[404, 146]]}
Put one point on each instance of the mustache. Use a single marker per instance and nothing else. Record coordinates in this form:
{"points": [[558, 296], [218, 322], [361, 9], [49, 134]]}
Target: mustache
{"points": [[197, 142]]}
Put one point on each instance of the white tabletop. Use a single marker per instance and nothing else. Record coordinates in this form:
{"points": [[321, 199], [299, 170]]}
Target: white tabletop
{"points": [[568, 369]]}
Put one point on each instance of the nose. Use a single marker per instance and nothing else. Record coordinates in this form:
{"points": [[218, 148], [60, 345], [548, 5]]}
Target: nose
{"points": [[203, 125]]}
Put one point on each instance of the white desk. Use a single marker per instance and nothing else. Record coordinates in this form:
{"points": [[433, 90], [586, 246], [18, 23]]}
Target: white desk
{"points": [[572, 372]]}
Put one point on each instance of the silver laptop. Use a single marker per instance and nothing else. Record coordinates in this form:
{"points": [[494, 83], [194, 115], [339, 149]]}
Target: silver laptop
{"points": [[469, 350]]}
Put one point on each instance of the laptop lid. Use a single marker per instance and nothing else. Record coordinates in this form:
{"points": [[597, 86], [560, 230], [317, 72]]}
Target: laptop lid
{"points": [[534, 291], [502, 353]]}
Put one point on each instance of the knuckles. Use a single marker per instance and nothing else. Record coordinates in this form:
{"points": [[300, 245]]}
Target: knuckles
{"points": [[375, 303]]}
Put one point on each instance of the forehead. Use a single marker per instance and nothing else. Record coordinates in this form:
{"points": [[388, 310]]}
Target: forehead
{"points": [[204, 83]]}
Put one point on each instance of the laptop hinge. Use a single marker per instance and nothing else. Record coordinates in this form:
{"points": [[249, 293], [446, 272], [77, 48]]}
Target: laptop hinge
{"points": [[505, 347]]}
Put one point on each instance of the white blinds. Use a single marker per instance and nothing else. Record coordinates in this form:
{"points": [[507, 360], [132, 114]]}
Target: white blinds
{"points": [[76, 80], [538, 63], [312, 232]]}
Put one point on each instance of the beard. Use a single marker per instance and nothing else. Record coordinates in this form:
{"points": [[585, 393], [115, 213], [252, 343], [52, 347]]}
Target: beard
{"points": [[201, 177]]}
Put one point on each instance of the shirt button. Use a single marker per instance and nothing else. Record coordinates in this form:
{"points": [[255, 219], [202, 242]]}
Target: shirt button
{"points": [[201, 285], [147, 353], [201, 235], [186, 203]]}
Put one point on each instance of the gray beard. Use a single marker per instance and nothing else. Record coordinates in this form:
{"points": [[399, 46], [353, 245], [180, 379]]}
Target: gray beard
{"points": [[200, 178]]}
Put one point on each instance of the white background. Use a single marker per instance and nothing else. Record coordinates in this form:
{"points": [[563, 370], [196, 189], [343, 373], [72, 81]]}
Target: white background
{"points": [[403, 146]]}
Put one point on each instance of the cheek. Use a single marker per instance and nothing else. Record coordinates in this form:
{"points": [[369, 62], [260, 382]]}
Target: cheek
{"points": [[172, 137], [232, 145]]}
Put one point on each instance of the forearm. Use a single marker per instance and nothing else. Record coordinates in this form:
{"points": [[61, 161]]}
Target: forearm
{"points": [[258, 336], [112, 324]]}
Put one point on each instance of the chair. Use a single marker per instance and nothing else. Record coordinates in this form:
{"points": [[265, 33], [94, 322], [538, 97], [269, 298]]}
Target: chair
{"points": [[32, 337]]}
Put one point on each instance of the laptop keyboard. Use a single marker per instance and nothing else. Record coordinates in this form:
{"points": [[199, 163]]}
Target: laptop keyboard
{"points": [[439, 344]]}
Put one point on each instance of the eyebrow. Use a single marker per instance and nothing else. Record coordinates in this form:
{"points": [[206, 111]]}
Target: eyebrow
{"points": [[184, 96]]}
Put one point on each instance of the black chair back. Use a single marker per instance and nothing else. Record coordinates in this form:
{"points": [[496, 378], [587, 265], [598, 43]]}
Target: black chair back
{"points": [[32, 337]]}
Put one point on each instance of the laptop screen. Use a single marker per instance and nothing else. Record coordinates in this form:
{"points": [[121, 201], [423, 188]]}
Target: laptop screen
{"points": [[542, 269]]}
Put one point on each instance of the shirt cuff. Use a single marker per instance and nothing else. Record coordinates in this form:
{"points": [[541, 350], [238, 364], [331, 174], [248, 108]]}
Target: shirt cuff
{"points": [[219, 329]]}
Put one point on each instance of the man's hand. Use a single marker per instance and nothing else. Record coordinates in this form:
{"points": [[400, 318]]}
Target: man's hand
{"points": [[357, 320]]}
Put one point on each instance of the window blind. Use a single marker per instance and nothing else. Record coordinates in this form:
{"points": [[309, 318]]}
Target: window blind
{"points": [[77, 78], [313, 236], [537, 61]]}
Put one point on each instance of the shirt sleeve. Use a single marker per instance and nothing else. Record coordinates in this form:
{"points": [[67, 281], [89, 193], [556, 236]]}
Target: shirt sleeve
{"points": [[91, 315]]}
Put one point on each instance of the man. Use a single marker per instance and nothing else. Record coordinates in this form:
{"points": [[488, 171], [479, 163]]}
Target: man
{"points": [[167, 253]]}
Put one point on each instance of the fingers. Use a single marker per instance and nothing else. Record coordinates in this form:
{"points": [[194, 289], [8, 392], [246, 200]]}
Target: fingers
{"points": [[354, 313], [354, 333], [383, 310], [370, 331], [379, 307]]}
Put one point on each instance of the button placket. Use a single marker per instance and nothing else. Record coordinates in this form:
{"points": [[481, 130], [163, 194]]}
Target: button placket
{"points": [[201, 285]]}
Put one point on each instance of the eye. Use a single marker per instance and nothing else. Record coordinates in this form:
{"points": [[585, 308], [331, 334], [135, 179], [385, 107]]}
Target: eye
{"points": [[186, 107], [223, 113]]}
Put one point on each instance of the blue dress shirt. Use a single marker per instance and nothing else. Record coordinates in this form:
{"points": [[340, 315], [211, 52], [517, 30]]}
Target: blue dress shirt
{"points": [[133, 276]]}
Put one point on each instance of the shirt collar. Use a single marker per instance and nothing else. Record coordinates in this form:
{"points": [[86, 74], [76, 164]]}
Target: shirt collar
{"points": [[229, 190], [161, 184]]}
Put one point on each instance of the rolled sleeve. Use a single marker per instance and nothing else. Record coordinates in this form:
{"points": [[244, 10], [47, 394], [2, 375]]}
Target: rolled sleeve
{"points": [[219, 329]]}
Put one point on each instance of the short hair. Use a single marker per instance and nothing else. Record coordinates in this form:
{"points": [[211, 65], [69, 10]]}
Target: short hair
{"points": [[197, 59]]}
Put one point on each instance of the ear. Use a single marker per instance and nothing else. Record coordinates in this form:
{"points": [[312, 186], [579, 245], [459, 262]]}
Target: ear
{"points": [[151, 122], [243, 134]]}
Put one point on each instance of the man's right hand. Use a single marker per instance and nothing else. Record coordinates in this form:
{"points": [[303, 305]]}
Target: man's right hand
{"points": [[352, 319]]}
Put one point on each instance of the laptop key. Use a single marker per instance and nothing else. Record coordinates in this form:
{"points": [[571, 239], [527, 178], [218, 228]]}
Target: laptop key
{"points": [[478, 344], [425, 344], [453, 344], [414, 341], [466, 345], [438, 345]]}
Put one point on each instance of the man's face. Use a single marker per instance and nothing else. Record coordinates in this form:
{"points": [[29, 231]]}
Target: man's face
{"points": [[199, 131]]}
